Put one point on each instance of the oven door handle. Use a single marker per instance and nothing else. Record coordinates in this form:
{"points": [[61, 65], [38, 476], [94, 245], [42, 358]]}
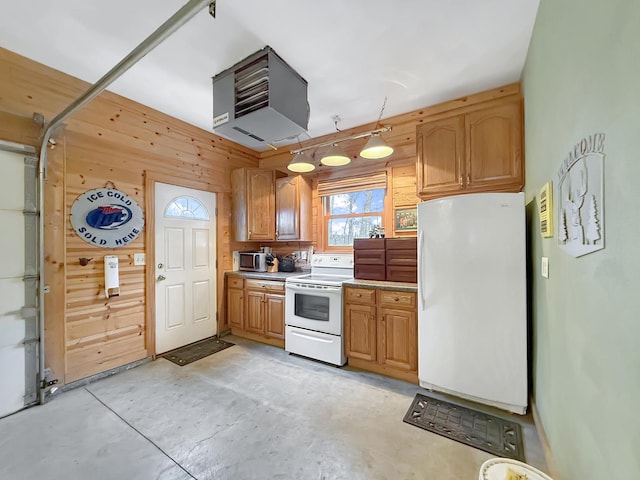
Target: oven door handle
{"points": [[299, 288]]}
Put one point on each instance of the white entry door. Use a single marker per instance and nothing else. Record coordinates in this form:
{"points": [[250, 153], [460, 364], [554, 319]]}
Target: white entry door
{"points": [[18, 280], [185, 266]]}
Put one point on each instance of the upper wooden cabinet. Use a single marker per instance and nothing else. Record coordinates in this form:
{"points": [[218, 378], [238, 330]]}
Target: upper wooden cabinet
{"points": [[293, 209], [479, 150], [253, 199]]}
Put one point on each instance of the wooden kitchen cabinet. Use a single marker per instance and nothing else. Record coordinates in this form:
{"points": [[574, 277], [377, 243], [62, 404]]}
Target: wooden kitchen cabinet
{"points": [[253, 203], [293, 209], [479, 150], [262, 303], [360, 331], [255, 312], [274, 315], [398, 339], [381, 331], [235, 303]]}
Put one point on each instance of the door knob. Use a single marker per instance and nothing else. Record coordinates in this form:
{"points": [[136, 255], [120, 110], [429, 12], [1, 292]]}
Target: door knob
{"points": [[161, 277], [160, 265]]}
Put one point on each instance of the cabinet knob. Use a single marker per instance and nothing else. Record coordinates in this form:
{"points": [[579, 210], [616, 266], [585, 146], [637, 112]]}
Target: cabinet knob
{"points": [[358, 295], [396, 299]]}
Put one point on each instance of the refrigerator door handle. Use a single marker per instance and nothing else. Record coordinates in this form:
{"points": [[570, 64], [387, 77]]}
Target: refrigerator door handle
{"points": [[421, 268]]}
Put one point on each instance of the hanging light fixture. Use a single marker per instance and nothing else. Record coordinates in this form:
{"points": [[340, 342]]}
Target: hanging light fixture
{"points": [[376, 148], [301, 163], [335, 157]]}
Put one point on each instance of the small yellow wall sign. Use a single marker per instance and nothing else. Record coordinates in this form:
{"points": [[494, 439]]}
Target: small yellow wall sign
{"points": [[546, 210]]}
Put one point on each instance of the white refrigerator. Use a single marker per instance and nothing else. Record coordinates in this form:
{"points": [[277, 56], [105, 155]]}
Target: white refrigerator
{"points": [[472, 310]]}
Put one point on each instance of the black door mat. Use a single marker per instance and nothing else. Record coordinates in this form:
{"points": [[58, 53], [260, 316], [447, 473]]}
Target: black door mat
{"points": [[465, 425], [188, 354]]}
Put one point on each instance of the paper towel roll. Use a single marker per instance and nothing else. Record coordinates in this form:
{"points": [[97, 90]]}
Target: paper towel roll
{"points": [[111, 276]]}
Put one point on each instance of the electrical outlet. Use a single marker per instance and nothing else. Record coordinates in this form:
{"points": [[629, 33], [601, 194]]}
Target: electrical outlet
{"points": [[139, 259], [544, 267]]}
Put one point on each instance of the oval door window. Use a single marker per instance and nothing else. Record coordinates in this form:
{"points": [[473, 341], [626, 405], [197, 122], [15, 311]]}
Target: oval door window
{"points": [[186, 207]]}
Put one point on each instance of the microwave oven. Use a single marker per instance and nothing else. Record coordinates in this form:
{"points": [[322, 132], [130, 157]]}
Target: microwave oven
{"points": [[252, 261]]}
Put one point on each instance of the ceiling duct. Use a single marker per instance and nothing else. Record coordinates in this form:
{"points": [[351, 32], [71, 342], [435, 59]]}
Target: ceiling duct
{"points": [[260, 100]]}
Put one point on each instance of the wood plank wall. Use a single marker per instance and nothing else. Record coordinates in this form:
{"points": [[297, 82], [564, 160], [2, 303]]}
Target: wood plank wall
{"points": [[117, 140]]}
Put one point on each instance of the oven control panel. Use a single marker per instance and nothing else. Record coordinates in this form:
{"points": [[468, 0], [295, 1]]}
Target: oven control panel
{"points": [[339, 260]]}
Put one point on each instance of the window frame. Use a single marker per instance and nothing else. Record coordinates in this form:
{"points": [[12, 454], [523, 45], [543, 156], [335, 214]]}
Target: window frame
{"points": [[326, 217]]}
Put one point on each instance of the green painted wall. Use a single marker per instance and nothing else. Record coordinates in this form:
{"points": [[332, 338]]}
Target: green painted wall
{"points": [[582, 76]]}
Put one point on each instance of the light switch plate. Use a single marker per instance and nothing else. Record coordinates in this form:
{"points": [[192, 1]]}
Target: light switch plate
{"points": [[544, 267], [139, 259]]}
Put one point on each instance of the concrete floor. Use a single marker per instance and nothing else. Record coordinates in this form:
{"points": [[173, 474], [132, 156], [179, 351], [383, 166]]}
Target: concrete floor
{"points": [[248, 412]]}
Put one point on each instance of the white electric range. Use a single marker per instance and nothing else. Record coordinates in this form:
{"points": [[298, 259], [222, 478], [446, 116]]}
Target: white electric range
{"points": [[313, 309]]}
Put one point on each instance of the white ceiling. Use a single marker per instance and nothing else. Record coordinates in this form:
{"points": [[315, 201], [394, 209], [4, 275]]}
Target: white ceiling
{"points": [[353, 53]]}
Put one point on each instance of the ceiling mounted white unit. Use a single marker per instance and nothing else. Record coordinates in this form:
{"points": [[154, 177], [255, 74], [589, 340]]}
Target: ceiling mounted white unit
{"points": [[260, 100]]}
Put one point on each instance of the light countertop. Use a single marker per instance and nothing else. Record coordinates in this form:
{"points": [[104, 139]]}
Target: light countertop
{"points": [[266, 275], [281, 276], [382, 285]]}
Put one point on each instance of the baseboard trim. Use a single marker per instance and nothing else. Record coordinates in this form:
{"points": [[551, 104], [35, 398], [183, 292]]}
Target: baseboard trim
{"points": [[99, 376], [544, 441]]}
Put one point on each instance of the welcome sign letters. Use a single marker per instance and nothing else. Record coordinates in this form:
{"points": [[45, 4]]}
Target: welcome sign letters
{"points": [[106, 217]]}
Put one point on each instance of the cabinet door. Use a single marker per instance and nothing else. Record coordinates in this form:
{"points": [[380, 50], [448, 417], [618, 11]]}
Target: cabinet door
{"points": [[254, 319], [287, 209], [360, 331], [274, 315], [398, 339], [494, 147], [260, 205], [235, 308], [440, 156]]}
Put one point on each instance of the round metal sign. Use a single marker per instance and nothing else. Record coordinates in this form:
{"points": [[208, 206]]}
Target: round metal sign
{"points": [[106, 217]]}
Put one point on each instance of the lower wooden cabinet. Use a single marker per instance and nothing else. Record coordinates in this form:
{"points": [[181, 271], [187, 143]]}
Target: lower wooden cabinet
{"points": [[381, 331], [235, 307], [360, 331], [255, 309]]}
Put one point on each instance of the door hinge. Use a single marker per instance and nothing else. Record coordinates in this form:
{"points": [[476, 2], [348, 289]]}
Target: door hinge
{"points": [[216, 211]]}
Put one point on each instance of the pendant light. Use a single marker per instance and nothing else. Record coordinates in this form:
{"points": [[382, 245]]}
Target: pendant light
{"points": [[335, 157], [376, 148], [301, 163]]}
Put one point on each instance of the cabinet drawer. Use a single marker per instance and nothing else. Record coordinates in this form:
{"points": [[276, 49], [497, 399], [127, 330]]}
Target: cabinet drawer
{"points": [[368, 244], [368, 257], [265, 285], [402, 257], [402, 244], [402, 273], [235, 282], [390, 298], [360, 295], [369, 272]]}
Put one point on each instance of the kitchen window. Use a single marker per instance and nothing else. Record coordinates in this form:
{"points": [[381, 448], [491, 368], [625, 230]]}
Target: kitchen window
{"points": [[351, 208]]}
